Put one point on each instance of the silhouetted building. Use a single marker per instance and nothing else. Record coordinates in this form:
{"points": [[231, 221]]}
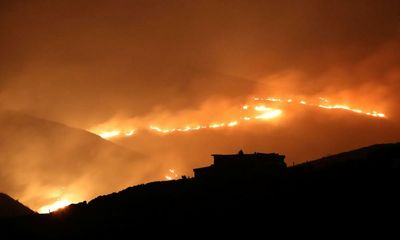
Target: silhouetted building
{"points": [[242, 165]]}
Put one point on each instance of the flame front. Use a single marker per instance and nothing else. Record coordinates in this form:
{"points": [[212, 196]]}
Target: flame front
{"points": [[252, 111], [114, 133], [324, 103], [110, 134]]}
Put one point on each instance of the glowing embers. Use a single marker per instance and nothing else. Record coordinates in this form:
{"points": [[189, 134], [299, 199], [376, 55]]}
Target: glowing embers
{"points": [[55, 206]]}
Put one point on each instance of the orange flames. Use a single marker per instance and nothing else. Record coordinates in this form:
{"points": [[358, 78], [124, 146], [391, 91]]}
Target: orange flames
{"points": [[324, 103], [114, 133], [61, 203], [171, 174], [249, 112]]}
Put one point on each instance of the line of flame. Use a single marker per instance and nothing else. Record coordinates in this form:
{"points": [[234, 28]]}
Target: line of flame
{"points": [[264, 113]]}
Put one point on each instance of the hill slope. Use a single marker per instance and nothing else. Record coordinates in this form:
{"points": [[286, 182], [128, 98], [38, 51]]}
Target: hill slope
{"points": [[357, 186], [368, 170], [42, 161], [12, 208]]}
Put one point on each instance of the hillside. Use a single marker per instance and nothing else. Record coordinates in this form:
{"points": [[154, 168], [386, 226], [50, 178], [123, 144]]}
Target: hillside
{"points": [[42, 161], [351, 186], [301, 137], [12, 208]]}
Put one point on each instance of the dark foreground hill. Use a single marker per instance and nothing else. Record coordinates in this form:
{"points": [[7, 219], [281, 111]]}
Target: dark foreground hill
{"points": [[10, 207], [356, 187]]}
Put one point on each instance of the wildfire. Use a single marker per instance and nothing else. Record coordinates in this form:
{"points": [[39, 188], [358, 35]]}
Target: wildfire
{"points": [[110, 134], [115, 133], [269, 114], [55, 206], [170, 130], [251, 111], [216, 125], [233, 123], [324, 103], [171, 174]]}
